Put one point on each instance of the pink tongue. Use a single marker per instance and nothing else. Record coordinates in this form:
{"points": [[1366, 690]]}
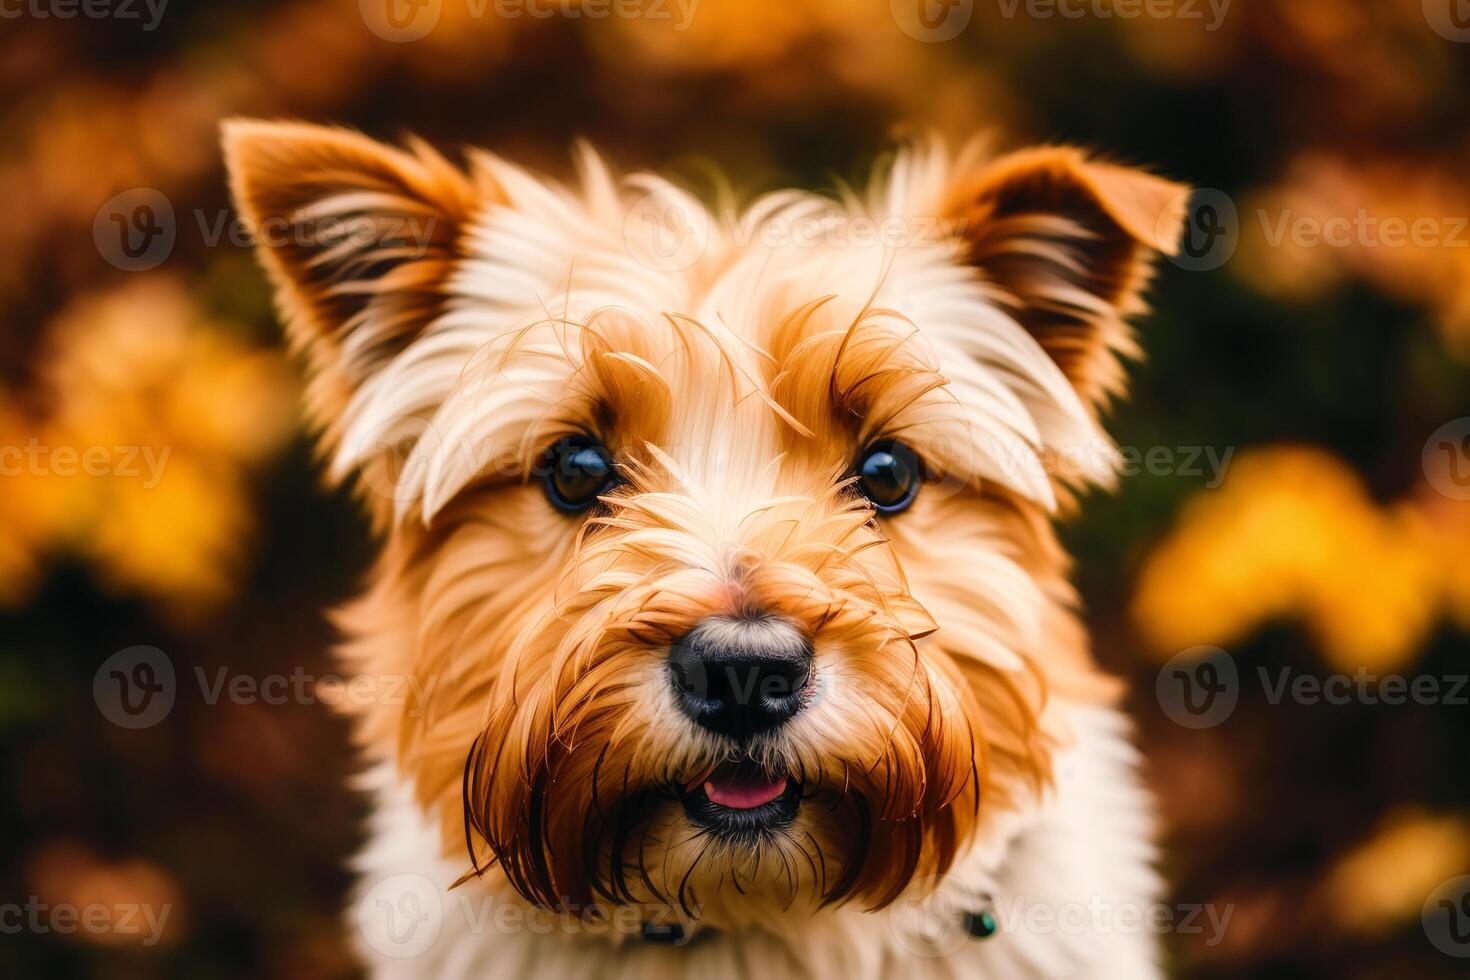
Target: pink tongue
{"points": [[743, 794]]}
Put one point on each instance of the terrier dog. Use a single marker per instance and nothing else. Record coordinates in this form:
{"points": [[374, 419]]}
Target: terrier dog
{"points": [[718, 549]]}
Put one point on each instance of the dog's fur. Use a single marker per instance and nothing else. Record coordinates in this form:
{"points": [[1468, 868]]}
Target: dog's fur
{"points": [[960, 752]]}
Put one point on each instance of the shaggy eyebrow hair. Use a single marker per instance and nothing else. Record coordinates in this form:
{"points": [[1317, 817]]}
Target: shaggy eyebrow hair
{"points": [[873, 376], [826, 380], [862, 374], [551, 324], [618, 372]]}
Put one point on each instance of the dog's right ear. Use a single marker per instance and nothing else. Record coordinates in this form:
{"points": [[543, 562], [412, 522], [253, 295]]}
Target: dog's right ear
{"points": [[1068, 243], [358, 238]]}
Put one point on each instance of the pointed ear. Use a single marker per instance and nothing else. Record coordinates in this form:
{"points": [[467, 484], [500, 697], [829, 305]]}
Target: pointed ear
{"points": [[1067, 245], [358, 238]]}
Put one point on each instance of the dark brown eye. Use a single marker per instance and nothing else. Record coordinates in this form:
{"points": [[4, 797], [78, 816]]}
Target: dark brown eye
{"points": [[578, 469], [889, 474]]}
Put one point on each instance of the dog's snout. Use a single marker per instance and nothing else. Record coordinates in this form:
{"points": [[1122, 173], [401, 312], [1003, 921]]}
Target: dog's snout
{"points": [[739, 677]]}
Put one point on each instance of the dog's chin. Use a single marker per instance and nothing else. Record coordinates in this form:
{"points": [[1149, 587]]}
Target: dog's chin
{"points": [[741, 804]]}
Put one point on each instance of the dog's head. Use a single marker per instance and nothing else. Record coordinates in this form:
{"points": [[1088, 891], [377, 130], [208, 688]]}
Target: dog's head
{"points": [[718, 543]]}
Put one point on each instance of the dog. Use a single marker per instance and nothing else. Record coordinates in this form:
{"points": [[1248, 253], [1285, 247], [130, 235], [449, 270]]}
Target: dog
{"points": [[718, 556]]}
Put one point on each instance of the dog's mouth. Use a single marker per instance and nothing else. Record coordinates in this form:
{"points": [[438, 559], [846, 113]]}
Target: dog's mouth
{"points": [[740, 801]]}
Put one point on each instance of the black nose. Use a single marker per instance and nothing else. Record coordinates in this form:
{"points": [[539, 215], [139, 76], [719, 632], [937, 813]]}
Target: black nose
{"points": [[740, 677]]}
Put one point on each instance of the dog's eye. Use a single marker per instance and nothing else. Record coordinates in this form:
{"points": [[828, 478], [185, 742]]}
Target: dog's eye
{"points": [[889, 474], [578, 469]]}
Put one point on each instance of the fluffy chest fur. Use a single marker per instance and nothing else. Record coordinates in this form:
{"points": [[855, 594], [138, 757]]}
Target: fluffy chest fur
{"points": [[1070, 883]]}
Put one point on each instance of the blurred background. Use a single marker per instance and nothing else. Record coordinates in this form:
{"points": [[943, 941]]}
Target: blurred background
{"points": [[1301, 506]]}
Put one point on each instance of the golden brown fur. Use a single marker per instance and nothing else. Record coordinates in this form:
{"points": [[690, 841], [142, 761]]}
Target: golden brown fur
{"points": [[549, 747]]}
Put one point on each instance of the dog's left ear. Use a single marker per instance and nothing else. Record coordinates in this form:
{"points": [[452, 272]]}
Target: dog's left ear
{"points": [[359, 239], [1067, 245]]}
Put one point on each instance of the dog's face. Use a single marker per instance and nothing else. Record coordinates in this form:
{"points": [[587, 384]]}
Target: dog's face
{"points": [[720, 544]]}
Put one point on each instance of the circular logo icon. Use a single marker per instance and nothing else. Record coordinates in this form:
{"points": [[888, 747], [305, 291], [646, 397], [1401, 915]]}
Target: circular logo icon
{"points": [[1198, 687], [1446, 459], [666, 230], [1450, 19], [932, 21], [396, 457], [400, 21], [135, 688], [1211, 232], [400, 917], [1446, 917], [931, 921], [135, 231]]}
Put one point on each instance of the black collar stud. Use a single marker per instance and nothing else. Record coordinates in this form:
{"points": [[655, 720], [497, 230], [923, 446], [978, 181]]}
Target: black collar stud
{"points": [[981, 925]]}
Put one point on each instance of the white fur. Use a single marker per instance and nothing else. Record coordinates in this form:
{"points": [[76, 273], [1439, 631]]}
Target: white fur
{"points": [[547, 257], [1071, 882], [544, 263]]}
